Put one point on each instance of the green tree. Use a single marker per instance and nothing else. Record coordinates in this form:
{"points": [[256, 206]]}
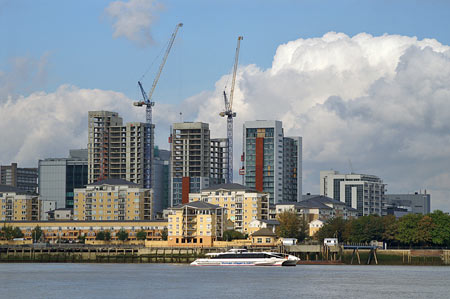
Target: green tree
{"points": [[365, 229], [141, 235], [122, 235], [100, 236], [230, 235], [107, 235], [440, 235], [17, 233], [164, 234], [389, 229], [81, 238], [36, 233], [290, 225], [7, 232], [407, 228]]}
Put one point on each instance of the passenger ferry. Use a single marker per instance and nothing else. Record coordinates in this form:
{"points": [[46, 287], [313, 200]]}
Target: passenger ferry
{"points": [[241, 257]]}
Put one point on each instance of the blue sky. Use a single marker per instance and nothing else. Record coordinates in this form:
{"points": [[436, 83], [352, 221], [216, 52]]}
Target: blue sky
{"points": [[346, 75], [77, 36]]}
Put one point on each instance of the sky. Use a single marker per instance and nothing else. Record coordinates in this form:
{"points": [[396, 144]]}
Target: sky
{"points": [[365, 83]]}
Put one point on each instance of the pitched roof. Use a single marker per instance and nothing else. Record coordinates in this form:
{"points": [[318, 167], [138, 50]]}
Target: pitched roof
{"points": [[197, 205], [264, 232], [232, 186], [270, 222], [114, 182], [7, 188]]}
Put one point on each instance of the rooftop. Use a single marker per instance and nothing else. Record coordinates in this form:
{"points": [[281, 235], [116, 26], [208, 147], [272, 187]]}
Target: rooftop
{"points": [[264, 232], [7, 188], [197, 205]]}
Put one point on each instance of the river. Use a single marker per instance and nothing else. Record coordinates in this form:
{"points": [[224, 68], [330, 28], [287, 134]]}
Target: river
{"points": [[177, 281]]}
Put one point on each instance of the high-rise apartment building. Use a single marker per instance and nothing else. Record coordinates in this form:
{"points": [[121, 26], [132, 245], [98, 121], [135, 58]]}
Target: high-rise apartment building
{"points": [[219, 161], [59, 176], [272, 162], [190, 160], [365, 193], [23, 178], [17, 204], [113, 199], [116, 150]]}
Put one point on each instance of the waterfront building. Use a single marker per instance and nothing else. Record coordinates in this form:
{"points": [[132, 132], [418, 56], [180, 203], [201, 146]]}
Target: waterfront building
{"points": [[113, 199], [365, 193], [195, 224], [315, 226], [219, 161], [402, 204], [243, 204], [58, 177], [257, 224], [73, 231], [23, 178], [272, 162], [264, 237], [319, 207], [116, 150], [17, 204], [190, 160]]}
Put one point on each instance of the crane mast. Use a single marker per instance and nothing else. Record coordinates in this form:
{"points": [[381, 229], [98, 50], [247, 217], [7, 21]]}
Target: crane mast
{"points": [[148, 103], [230, 114]]}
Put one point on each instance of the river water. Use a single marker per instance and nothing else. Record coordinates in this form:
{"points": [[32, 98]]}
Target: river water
{"points": [[183, 281]]}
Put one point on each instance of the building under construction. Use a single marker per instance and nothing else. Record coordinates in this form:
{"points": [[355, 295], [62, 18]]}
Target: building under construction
{"points": [[116, 150]]}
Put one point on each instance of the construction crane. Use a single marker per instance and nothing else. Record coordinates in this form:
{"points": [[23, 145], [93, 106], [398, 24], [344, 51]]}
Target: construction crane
{"points": [[148, 103], [230, 114]]}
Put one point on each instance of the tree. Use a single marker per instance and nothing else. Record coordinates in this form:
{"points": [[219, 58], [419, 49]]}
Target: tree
{"points": [[407, 229], [7, 232], [164, 234], [290, 225], [441, 231], [107, 235], [36, 233], [17, 233], [122, 235], [365, 229], [100, 236], [141, 235], [230, 235]]}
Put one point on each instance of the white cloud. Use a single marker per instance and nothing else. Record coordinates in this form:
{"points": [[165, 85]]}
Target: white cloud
{"points": [[382, 102], [133, 19]]}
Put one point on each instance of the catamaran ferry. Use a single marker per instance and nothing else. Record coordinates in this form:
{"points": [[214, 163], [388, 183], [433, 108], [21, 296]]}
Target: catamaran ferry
{"points": [[241, 257]]}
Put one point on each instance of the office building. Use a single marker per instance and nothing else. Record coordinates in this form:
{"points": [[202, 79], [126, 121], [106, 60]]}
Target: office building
{"points": [[365, 193], [23, 178], [190, 160], [272, 162], [402, 204], [19, 205], [116, 150], [113, 199], [243, 204], [219, 161], [58, 177]]}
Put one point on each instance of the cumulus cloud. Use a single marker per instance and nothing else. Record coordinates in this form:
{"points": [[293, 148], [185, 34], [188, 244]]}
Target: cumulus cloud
{"points": [[380, 101], [133, 19], [44, 125]]}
